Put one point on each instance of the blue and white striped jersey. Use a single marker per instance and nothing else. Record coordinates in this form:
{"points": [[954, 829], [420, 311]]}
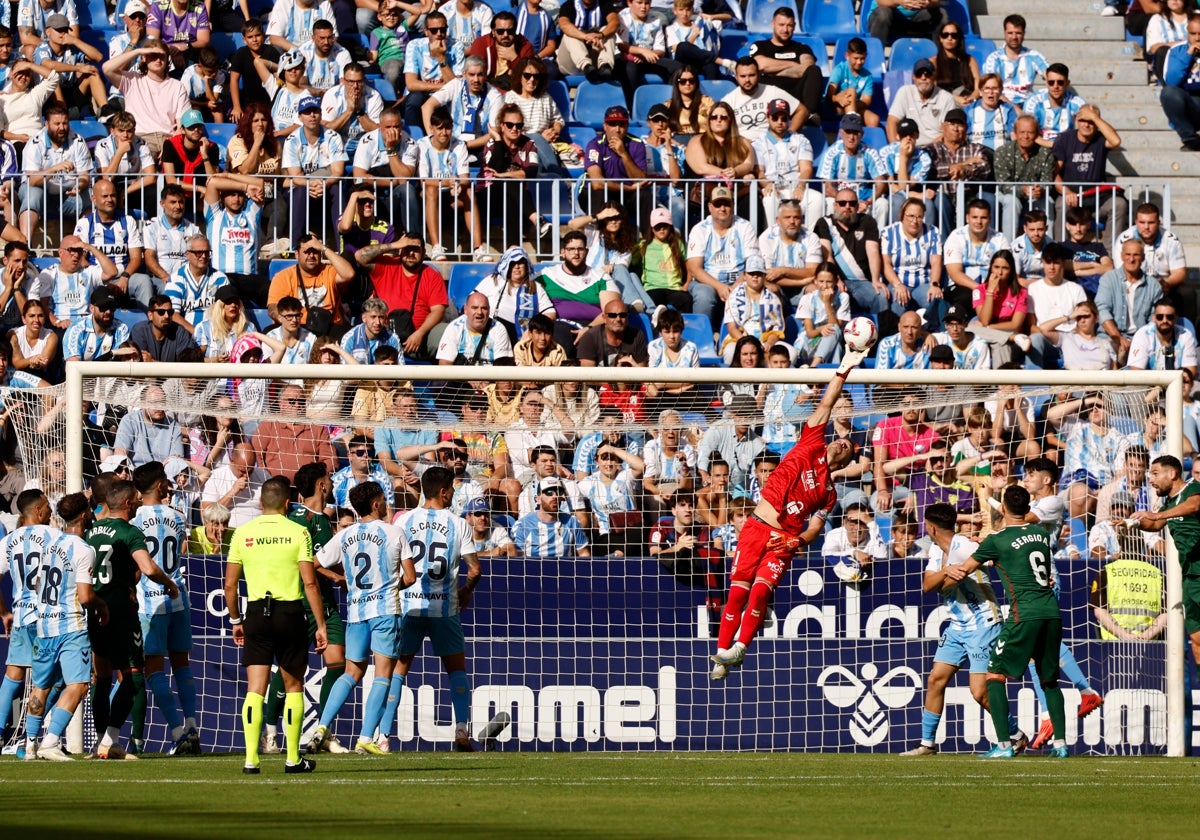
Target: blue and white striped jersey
{"points": [[586, 448], [1018, 74], [1028, 258], [363, 348], [333, 105], [689, 355], [910, 257], [419, 62], [891, 355], [647, 34], [32, 14], [919, 163], [780, 157], [1090, 449], [369, 552], [755, 317], [285, 104], [560, 538], [113, 239], [66, 561], [606, 499], [972, 604], [662, 467], [429, 162], [204, 338], [709, 38], [344, 481], [437, 541], [784, 406], [21, 557], [324, 73], [472, 114], [298, 353], [975, 356], [851, 172], [974, 257], [192, 296], [70, 293], [168, 242], [1053, 119], [990, 128], [307, 156], [724, 256], [803, 251], [81, 339], [234, 237], [464, 30], [295, 22], [166, 536]]}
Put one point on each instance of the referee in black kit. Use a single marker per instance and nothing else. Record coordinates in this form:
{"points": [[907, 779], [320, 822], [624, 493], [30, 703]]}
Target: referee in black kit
{"points": [[275, 556]]}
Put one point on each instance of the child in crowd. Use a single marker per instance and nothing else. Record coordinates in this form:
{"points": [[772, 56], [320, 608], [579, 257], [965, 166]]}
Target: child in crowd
{"points": [[206, 85], [822, 313], [443, 165], [851, 85]]}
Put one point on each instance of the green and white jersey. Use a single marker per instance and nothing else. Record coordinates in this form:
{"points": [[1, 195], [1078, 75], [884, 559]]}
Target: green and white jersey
{"points": [[1021, 556], [1185, 531], [115, 571]]}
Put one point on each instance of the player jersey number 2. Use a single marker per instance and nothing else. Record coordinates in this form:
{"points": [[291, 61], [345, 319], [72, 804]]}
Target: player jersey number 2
{"points": [[437, 564], [1040, 566], [362, 561]]}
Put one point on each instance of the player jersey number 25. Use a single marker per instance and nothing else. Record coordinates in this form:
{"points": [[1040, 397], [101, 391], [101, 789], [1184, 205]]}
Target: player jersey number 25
{"points": [[436, 561]]}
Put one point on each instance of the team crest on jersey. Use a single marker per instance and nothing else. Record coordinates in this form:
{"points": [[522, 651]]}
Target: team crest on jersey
{"points": [[870, 698]]}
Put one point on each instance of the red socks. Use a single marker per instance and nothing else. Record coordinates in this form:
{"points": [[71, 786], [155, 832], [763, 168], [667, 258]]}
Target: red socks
{"points": [[731, 616], [760, 596]]}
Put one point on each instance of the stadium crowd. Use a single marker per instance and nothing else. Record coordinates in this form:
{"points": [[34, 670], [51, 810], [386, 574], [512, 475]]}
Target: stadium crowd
{"points": [[372, 139]]}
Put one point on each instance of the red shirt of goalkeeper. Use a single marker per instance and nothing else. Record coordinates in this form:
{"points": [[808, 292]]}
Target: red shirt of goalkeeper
{"points": [[799, 487]]}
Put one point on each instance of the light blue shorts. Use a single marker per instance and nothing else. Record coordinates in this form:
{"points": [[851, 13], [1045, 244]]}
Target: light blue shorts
{"points": [[975, 646], [166, 633], [68, 656], [446, 634], [379, 635], [22, 642]]}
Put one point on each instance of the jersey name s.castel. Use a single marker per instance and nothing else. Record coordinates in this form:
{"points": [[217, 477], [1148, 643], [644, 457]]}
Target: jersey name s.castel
{"points": [[166, 536], [66, 561], [799, 487], [972, 602], [436, 540], [1021, 555], [21, 556], [369, 552]]}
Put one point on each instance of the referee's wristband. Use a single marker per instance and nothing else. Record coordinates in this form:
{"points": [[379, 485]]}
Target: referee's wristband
{"points": [[236, 621]]}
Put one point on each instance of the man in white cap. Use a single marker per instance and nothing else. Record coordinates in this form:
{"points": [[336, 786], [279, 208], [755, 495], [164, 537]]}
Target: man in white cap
{"points": [[547, 534]]}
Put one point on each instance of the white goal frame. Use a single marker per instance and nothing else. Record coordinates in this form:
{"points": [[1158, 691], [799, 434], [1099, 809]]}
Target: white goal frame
{"points": [[1170, 381]]}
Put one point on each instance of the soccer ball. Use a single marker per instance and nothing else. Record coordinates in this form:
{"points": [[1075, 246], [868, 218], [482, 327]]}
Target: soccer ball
{"points": [[860, 334]]}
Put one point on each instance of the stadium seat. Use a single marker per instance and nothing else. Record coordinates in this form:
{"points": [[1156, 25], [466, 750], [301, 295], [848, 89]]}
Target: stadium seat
{"points": [[90, 130], [261, 318], [384, 88], [816, 139], [758, 15], [42, 263], [876, 60], [733, 44], [717, 88], [831, 19], [546, 192], [221, 134], [958, 12], [817, 44], [698, 330], [93, 13], [874, 136], [980, 49], [277, 266], [464, 277], [561, 95], [893, 80], [226, 43], [129, 317], [97, 38], [642, 321], [592, 100], [906, 51], [647, 96]]}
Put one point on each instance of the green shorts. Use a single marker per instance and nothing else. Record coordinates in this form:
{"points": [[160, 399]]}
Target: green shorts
{"points": [[1037, 639], [335, 628], [1191, 605]]}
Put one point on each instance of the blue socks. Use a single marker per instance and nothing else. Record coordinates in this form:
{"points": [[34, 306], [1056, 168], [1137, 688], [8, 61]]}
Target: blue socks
{"points": [[388, 720], [185, 685], [929, 725], [59, 718], [1071, 670], [8, 693], [33, 727], [373, 710], [338, 694], [460, 696], [164, 699]]}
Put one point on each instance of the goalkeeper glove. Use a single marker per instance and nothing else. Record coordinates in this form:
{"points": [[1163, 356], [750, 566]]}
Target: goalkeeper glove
{"points": [[779, 543], [850, 360]]}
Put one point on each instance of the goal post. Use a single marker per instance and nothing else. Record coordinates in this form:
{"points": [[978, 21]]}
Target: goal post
{"points": [[805, 676]]}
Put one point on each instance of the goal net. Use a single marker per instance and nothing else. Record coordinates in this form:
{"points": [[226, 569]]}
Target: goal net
{"points": [[610, 651]]}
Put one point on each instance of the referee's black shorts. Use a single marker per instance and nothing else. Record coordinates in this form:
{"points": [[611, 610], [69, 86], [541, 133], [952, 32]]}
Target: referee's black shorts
{"points": [[282, 638]]}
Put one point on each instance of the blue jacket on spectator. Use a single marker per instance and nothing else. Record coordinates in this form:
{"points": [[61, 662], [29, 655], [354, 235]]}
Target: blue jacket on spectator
{"points": [[1113, 303], [1182, 69]]}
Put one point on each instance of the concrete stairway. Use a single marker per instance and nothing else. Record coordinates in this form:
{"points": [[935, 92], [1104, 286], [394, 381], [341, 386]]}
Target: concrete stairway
{"points": [[1110, 72]]}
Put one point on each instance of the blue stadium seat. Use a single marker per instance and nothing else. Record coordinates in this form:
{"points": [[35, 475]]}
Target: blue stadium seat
{"points": [[893, 80], [716, 88], [876, 60], [816, 139], [733, 44], [874, 136], [129, 317], [221, 134], [642, 321], [544, 193], [93, 13], [831, 19], [464, 277], [384, 88], [277, 266], [906, 51], [759, 13], [94, 37], [817, 44], [592, 100], [561, 95], [89, 130], [980, 48], [647, 96], [698, 330], [261, 318], [226, 43], [42, 263], [958, 12]]}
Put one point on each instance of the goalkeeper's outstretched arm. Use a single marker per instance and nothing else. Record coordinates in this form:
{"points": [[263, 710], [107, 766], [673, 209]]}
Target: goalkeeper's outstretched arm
{"points": [[833, 390]]}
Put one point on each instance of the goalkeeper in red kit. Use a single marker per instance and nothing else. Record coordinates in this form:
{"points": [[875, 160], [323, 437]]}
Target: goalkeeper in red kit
{"points": [[796, 501]]}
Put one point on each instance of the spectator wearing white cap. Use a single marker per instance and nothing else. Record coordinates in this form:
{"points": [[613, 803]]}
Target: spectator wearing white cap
{"points": [[286, 83], [547, 534], [155, 99], [752, 309]]}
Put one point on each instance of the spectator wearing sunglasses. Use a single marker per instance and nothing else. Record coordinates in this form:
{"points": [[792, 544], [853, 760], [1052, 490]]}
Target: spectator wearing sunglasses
{"points": [[362, 468], [548, 534], [500, 50], [490, 539], [66, 288], [922, 102]]}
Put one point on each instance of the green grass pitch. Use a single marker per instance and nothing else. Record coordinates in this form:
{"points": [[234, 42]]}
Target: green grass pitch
{"points": [[535, 796]]}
